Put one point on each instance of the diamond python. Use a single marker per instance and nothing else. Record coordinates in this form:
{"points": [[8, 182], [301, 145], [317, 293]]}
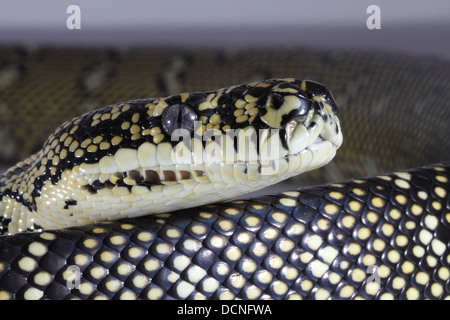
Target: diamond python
{"points": [[129, 159], [315, 243]]}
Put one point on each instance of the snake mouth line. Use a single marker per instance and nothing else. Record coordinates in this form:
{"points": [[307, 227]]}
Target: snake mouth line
{"points": [[168, 167], [319, 139], [184, 173], [321, 151]]}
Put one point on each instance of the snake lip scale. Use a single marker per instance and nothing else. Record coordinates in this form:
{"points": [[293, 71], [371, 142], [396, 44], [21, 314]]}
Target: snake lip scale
{"points": [[106, 196]]}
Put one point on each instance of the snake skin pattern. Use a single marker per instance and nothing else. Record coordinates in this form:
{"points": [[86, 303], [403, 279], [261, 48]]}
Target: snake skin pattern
{"points": [[382, 237]]}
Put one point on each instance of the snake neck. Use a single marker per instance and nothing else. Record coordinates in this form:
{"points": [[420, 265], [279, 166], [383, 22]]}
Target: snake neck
{"points": [[17, 188]]}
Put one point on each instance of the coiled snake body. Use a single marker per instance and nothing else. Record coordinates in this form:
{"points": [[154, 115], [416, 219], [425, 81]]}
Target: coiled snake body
{"points": [[383, 237]]}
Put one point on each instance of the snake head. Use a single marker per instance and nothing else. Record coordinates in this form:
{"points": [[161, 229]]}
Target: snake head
{"points": [[306, 114], [299, 122], [162, 154]]}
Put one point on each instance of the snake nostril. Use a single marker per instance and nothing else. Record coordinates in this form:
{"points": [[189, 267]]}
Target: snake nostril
{"points": [[178, 116]]}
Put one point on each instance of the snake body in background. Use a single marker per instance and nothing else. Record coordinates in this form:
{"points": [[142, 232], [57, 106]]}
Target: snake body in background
{"points": [[382, 237]]}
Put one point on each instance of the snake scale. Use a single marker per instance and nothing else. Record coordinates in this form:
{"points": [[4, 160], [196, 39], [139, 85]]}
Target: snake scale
{"points": [[382, 237]]}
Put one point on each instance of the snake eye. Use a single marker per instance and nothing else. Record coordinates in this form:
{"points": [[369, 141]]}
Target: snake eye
{"points": [[178, 116]]}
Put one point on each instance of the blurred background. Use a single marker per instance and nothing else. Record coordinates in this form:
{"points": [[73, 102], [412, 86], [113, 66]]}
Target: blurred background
{"points": [[134, 49], [415, 27]]}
